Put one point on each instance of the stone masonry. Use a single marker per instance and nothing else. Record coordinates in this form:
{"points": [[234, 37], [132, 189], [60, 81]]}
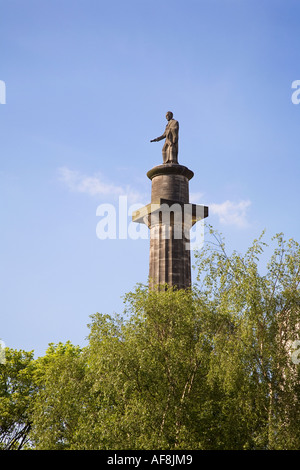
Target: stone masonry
{"points": [[170, 217]]}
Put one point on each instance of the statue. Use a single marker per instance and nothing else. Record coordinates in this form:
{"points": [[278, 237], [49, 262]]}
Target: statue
{"points": [[170, 148]]}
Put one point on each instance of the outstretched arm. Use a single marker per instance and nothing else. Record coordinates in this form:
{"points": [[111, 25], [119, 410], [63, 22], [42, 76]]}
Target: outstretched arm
{"points": [[159, 138]]}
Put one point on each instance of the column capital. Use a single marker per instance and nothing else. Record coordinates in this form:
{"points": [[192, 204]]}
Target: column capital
{"points": [[195, 211], [170, 169]]}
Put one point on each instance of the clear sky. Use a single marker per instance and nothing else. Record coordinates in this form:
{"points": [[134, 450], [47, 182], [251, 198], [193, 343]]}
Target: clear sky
{"points": [[88, 84]]}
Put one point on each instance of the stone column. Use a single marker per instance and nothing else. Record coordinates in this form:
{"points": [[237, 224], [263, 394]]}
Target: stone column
{"points": [[169, 217]]}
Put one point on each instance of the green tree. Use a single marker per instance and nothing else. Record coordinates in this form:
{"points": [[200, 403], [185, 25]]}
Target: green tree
{"points": [[59, 401], [253, 363], [16, 397], [150, 372]]}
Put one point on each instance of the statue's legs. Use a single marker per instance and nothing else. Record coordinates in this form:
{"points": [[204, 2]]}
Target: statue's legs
{"points": [[174, 153], [165, 153], [170, 153]]}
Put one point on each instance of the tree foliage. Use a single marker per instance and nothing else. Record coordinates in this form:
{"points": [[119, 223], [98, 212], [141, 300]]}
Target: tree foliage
{"points": [[205, 368], [17, 391]]}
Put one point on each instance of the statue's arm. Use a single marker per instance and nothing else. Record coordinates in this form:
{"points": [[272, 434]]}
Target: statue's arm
{"points": [[159, 138]]}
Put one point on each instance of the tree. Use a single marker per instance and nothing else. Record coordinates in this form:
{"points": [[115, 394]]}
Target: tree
{"points": [[59, 401], [254, 361], [148, 371], [16, 395]]}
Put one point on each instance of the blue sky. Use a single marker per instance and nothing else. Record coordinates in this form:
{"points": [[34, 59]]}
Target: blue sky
{"points": [[88, 84]]}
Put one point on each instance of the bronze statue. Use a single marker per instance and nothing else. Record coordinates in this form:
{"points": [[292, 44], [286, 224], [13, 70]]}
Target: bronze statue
{"points": [[170, 148]]}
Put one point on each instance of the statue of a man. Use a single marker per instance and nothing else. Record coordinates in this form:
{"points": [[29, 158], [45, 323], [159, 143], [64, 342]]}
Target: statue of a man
{"points": [[170, 148]]}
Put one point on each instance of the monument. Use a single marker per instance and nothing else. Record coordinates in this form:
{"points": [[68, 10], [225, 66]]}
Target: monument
{"points": [[170, 216]]}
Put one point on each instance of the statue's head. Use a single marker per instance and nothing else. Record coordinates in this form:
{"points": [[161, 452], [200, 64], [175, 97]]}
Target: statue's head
{"points": [[169, 115]]}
